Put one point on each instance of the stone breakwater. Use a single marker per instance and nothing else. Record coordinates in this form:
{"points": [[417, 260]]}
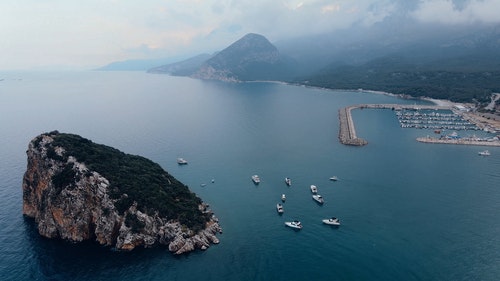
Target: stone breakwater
{"points": [[458, 141], [84, 209], [347, 132]]}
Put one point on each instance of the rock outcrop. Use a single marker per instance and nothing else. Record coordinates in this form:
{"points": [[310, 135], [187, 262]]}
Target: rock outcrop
{"points": [[68, 200]]}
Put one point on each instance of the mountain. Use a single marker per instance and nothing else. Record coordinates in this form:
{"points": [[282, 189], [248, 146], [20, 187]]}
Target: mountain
{"points": [[183, 68], [78, 190], [250, 58]]}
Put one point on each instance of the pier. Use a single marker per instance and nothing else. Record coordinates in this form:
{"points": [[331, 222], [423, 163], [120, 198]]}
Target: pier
{"points": [[347, 131]]}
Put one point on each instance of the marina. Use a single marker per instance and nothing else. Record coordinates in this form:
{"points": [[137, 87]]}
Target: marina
{"points": [[421, 117], [433, 119]]}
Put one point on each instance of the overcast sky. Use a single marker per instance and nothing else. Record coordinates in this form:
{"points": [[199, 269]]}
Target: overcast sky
{"points": [[85, 34]]}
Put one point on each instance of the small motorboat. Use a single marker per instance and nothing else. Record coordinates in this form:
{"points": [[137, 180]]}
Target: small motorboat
{"points": [[314, 189], [279, 208], [332, 221], [283, 197], [294, 224], [181, 161], [288, 181], [256, 179], [318, 198], [334, 178], [484, 153]]}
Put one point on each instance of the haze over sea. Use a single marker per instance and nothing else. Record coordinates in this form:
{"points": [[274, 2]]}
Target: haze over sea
{"points": [[409, 211]]}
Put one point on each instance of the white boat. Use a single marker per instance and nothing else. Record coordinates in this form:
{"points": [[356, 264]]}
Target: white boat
{"points": [[484, 153], [332, 221], [279, 208], [288, 181], [181, 161], [283, 197], [294, 224], [314, 189], [334, 178], [256, 179], [318, 198]]}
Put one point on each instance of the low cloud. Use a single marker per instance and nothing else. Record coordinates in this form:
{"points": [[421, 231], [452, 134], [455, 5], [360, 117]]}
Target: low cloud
{"points": [[458, 12]]}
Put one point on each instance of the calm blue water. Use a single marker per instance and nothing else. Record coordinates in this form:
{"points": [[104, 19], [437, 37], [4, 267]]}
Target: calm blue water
{"points": [[409, 211]]}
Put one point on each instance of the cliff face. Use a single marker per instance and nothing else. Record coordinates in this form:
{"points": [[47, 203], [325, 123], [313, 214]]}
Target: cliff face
{"points": [[70, 201]]}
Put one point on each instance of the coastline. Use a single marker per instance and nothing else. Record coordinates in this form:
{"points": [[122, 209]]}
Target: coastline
{"points": [[483, 121]]}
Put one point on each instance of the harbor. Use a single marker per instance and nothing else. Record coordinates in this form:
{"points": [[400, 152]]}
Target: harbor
{"points": [[434, 117], [347, 131]]}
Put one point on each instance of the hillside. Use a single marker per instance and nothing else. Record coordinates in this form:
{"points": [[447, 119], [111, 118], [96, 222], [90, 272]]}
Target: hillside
{"points": [[185, 67], [441, 79], [462, 65]]}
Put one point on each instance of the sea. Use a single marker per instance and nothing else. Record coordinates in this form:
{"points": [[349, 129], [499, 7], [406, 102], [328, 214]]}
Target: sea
{"points": [[408, 210]]}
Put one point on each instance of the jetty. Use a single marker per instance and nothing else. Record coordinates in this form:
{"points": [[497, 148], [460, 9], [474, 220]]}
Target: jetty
{"points": [[347, 131], [463, 141]]}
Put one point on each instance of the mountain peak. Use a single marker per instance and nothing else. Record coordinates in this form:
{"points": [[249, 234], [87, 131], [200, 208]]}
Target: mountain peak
{"points": [[252, 57], [253, 42]]}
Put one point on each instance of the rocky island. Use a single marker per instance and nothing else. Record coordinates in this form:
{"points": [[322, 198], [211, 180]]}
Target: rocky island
{"points": [[78, 190]]}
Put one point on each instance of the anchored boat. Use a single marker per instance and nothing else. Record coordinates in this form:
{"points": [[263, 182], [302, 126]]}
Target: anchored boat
{"points": [[332, 221], [294, 224], [279, 208], [256, 179], [318, 198]]}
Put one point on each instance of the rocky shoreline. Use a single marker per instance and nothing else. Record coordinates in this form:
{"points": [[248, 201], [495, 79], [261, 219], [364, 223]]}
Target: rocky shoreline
{"points": [[84, 209]]}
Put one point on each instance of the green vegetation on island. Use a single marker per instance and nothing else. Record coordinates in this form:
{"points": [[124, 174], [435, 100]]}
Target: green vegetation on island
{"points": [[142, 180]]}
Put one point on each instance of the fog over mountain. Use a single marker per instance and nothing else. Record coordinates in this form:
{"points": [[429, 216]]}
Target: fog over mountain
{"points": [[93, 33], [417, 41]]}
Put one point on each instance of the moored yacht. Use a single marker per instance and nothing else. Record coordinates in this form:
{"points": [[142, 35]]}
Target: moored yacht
{"points": [[314, 189], [332, 221], [283, 197], [294, 224], [256, 179], [288, 181], [318, 198], [181, 161]]}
